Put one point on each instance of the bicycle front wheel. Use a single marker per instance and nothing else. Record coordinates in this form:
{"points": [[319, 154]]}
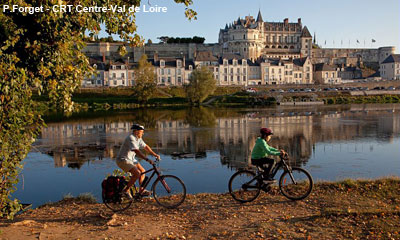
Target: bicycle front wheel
{"points": [[296, 184], [169, 191], [119, 202], [243, 186]]}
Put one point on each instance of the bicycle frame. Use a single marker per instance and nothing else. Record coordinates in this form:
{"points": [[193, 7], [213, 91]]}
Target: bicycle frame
{"points": [[154, 171]]}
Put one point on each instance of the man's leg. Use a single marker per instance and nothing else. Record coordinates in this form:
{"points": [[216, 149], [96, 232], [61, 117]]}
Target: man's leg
{"points": [[142, 176], [135, 175]]}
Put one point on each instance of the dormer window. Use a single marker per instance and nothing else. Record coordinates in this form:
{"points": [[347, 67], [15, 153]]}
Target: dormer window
{"points": [[162, 63], [113, 67], [244, 62], [95, 66], [234, 62], [179, 63], [190, 67], [122, 67], [225, 62]]}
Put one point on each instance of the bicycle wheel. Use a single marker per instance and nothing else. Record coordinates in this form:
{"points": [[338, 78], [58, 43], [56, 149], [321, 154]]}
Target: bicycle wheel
{"points": [[243, 186], [119, 202], [298, 187], [169, 191]]}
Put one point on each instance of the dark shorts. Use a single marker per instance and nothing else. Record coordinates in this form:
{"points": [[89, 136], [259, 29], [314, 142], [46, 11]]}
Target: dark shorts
{"points": [[262, 161]]}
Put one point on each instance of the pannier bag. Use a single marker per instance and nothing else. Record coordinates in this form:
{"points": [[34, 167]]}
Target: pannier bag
{"points": [[112, 187]]}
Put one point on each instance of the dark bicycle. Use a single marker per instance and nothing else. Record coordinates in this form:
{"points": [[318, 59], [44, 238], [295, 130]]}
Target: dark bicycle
{"points": [[295, 183], [169, 191]]}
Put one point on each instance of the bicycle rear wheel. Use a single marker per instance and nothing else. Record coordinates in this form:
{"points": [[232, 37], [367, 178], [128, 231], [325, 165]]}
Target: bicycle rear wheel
{"points": [[298, 186], [119, 202], [169, 191], [243, 186]]}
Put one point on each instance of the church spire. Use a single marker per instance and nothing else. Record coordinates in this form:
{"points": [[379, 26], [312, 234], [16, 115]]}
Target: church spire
{"points": [[259, 17]]}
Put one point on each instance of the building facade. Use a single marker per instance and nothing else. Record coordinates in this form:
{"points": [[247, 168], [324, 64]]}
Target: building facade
{"points": [[390, 67], [253, 38]]}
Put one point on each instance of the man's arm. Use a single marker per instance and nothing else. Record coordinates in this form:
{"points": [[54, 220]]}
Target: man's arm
{"points": [[149, 150], [142, 156]]}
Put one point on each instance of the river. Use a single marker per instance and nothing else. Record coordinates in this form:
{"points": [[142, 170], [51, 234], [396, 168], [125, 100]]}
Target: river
{"points": [[204, 146]]}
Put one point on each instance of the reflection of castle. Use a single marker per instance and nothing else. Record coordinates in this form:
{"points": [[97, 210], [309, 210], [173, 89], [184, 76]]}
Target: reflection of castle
{"points": [[295, 130]]}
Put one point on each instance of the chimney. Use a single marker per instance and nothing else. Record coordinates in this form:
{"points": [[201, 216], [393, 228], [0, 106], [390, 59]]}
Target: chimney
{"points": [[104, 58], [286, 21], [155, 57], [299, 20]]}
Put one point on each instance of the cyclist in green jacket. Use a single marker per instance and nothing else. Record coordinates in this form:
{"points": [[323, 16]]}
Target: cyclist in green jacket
{"points": [[261, 151]]}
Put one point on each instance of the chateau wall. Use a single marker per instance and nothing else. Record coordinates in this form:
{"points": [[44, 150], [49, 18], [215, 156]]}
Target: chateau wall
{"points": [[175, 50], [365, 54]]}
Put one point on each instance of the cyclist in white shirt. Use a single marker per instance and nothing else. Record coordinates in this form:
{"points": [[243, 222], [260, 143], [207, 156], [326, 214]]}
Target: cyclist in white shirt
{"points": [[126, 158]]}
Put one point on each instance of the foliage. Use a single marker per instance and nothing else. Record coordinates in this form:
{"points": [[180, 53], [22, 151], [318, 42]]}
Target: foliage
{"points": [[201, 85], [145, 80], [42, 51], [195, 39]]}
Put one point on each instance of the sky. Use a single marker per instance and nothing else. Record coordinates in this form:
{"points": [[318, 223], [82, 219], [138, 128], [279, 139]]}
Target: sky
{"points": [[337, 24]]}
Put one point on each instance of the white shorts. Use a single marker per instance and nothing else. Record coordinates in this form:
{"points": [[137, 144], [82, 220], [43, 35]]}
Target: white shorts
{"points": [[126, 165]]}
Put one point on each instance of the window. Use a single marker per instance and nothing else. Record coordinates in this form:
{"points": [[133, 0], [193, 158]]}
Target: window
{"points": [[114, 75], [238, 78], [162, 71], [225, 78], [133, 75], [123, 82], [179, 79], [179, 63], [122, 66], [115, 82], [231, 78], [231, 70], [333, 74], [238, 71], [169, 71], [163, 79], [326, 75], [244, 70], [162, 63], [169, 79], [190, 67], [178, 71], [225, 62], [244, 78], [234, 62], [122, 75]]}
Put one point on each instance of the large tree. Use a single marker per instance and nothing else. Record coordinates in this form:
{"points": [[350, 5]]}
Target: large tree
{"points": [[201, 85], [42, 52], [145, 80]]}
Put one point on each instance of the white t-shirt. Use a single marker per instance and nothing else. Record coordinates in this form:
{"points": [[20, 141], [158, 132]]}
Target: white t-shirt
{"points": [[131, 143]]}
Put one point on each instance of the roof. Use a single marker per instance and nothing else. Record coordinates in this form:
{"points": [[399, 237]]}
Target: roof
{"points": [[205, 56], [323, 67], [305, 32], [299, 61], [259, 17], [392, 58]]}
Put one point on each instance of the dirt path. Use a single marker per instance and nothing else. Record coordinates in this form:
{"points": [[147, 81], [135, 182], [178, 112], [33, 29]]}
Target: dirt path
{"points": [[349, 210]]}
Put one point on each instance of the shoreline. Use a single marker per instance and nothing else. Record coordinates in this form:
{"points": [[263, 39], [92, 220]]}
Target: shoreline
{"points": [[359, 209]]}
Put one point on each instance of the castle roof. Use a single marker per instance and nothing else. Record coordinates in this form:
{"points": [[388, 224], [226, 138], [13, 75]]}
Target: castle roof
{"points": [[259, 17], [305, 32], [392, 58]]}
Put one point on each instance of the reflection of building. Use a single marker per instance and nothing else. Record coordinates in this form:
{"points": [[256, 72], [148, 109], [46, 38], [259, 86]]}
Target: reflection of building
{"points": [[296, 130]]}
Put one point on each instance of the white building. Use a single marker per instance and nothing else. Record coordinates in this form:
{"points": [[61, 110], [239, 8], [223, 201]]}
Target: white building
{"points": [[390, 67]]}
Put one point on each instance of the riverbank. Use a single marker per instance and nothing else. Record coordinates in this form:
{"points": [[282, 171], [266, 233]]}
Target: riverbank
{"points": [[340, 210]]}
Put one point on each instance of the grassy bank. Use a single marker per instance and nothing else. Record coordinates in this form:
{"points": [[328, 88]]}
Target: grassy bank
{"points": [[363, 209]]}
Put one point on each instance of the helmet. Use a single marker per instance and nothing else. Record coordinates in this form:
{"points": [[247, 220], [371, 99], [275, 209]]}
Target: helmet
{"points": [[136, 126], [266, 131]]}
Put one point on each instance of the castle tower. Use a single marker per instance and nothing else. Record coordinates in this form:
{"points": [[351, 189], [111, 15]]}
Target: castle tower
{"points": [[306, 43]]}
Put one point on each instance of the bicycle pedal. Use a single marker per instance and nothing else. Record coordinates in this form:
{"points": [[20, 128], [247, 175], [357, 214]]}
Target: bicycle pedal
{"points": [[269, 181]]}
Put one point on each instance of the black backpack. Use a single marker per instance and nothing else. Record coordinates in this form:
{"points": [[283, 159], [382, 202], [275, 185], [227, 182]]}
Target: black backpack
{"points": [[112, 187]]}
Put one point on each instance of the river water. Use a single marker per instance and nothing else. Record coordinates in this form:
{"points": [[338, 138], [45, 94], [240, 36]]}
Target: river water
{"points": [[204, 146]]}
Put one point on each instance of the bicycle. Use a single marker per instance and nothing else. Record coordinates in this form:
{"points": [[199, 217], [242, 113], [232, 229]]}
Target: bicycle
{"points": [[295, 183], [169, 191]]}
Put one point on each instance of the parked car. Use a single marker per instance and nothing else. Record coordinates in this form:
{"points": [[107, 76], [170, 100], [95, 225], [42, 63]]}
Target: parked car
{"points": [[281, 90], [391, 88], [251, 90]]}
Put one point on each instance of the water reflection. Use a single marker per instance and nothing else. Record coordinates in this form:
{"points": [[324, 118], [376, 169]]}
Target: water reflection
{"points": [[191, 133]]}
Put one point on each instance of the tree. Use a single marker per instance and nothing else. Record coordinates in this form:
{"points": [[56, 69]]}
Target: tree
{"points": [[145, 80], [42, 52], [201, 85]]}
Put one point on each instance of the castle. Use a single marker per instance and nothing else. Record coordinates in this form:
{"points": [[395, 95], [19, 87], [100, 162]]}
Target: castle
{"points": [[263, 45]]}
